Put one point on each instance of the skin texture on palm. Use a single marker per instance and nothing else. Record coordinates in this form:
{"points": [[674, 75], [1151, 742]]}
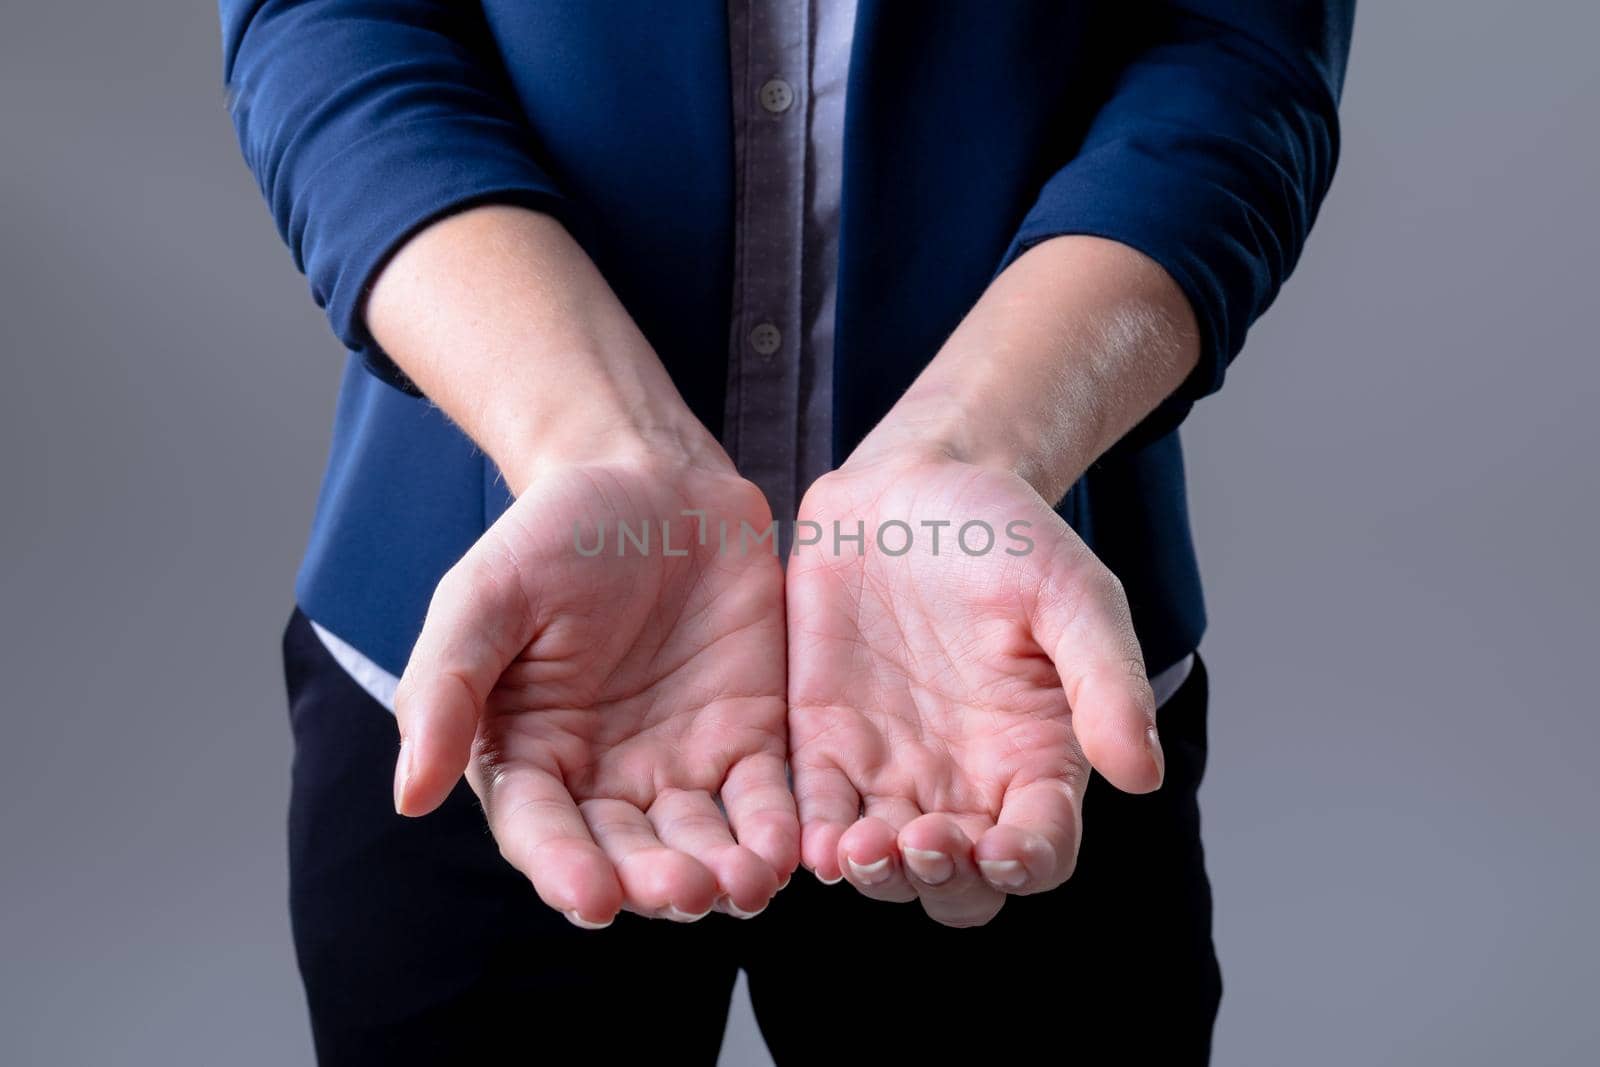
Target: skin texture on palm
{"points": [[602, 705], [946, 708]]}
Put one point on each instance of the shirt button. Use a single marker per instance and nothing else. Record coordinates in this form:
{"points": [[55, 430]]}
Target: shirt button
{"points": [[776, 96], [765, 339]]}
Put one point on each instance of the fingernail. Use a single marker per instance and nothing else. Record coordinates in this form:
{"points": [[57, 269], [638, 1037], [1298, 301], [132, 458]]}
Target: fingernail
{"points": [[1152, 741], [785, 883], [934, 868], [737, 912], [683, 916], [402, 774], [829, 881], [1006, 874], [870, 873], [584, 924]]}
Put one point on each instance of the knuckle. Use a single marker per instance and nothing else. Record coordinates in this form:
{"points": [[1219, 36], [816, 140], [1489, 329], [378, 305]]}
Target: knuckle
{"points": [[457, 581], [405, 695], [1109, 586], [491, 768], [478, 581]]}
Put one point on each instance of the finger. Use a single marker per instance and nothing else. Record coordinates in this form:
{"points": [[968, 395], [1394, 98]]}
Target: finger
{"points": [[477, 623], [870, 857], [894, 810], [1033, 846], [937, 854], [541, 833], [691, 822], [1089, 635], [657, 881], [761, 811], [828, 806]]}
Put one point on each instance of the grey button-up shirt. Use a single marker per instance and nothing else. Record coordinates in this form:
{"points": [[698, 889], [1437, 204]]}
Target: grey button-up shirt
{"points": [[790, 62]]}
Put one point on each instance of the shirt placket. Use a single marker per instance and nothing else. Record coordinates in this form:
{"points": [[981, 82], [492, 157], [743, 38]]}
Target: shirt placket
{"points": [[766, 343]]}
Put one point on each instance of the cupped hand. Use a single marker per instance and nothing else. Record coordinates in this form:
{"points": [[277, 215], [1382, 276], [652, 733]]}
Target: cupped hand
{"points": [[619, 714], [947, 703]]}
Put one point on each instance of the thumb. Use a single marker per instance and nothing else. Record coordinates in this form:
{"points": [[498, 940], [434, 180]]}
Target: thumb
{"points": [[1085, 627], [477, 623]]}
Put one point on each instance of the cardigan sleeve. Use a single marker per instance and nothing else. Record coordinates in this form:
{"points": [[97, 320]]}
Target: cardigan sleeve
{"points": [[363, 121], [1211, 155]]}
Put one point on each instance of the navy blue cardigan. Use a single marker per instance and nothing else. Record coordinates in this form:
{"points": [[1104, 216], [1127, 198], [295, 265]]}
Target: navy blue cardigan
{"points": [[1201, 132]]}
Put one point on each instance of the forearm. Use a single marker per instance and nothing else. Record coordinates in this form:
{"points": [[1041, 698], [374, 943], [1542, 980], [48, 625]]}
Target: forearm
{"points": [[1066, 351], [500, 318]]}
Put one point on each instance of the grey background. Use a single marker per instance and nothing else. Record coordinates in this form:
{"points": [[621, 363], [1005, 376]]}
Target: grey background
{"points": [[1394, 500]]}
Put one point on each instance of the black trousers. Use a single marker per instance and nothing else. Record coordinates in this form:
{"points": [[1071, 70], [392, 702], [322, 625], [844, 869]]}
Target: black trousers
{"points": [[418, 944]]}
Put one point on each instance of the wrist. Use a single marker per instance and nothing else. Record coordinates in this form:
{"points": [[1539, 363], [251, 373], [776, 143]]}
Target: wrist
{"points": [[935, 426], [501, 319], [1067, 350], [599, 431]]}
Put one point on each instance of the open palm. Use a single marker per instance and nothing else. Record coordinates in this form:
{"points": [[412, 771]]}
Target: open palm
{"points": [[620, 714], [945, 708]]}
